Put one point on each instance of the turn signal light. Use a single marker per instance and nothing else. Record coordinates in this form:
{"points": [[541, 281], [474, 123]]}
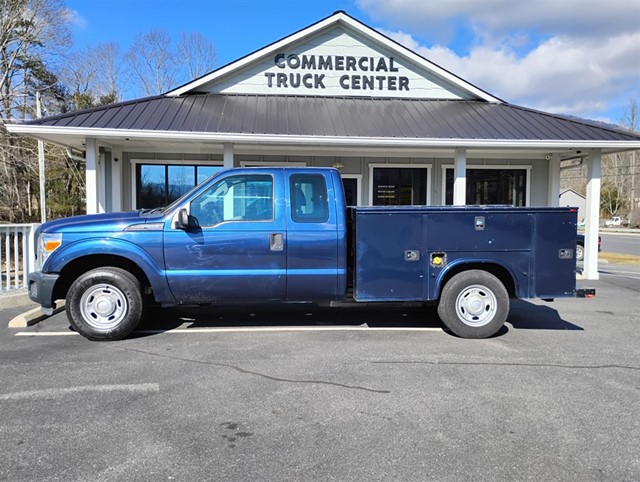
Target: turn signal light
{"points": [[50, 246]]}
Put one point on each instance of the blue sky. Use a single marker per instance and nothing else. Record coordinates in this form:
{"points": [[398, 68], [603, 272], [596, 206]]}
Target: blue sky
{"points": [[576, 57]]}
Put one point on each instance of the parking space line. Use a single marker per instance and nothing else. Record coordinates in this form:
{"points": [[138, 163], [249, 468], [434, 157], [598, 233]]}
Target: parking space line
{"points": [[47, 333], [275, 329], [61, 392]]}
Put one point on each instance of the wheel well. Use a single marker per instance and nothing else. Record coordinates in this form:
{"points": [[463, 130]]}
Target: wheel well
{"points": [[496, 270], [79, 266]]}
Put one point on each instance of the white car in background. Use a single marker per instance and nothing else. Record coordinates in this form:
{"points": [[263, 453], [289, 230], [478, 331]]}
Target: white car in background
{"points": [[614, 221]]}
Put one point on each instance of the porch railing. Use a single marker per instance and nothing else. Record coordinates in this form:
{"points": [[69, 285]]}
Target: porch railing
{"points": [[17, 255]]}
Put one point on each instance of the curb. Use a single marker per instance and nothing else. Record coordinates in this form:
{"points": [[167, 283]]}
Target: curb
{"points": [[34, 316], [15, 300]]}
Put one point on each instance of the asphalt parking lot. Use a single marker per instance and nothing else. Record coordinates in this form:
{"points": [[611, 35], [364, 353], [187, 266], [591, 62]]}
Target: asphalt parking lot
{"points": [[317, 394]]}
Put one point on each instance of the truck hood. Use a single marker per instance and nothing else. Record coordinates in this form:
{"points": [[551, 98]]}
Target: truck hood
{"points": [[106, 222]]}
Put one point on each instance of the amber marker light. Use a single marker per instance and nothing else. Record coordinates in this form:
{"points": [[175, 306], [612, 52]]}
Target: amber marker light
{"points": [[50, 246]]}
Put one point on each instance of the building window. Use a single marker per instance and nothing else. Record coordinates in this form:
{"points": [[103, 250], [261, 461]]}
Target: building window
{"points": [[491, 186], [159, 184], [399, 186]]}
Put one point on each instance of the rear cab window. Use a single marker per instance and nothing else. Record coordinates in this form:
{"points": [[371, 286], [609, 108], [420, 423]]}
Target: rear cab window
{"points": [[309, 202]]}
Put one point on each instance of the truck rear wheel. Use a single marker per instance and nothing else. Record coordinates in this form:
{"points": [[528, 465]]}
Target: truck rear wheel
{"points": [[474, 304], [105, 304]]}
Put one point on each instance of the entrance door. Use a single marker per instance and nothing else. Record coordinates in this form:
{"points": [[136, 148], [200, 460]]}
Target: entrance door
{"points": [[352, 189], [238, 250]]}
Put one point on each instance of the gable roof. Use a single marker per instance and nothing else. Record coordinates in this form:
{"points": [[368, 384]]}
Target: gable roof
{"points": [[350, 24], [571, 191]]}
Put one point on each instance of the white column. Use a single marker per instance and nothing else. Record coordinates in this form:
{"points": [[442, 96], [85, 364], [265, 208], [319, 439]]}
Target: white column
{"points": [[91, 176], [227, 156], [460, 178], [592, 218], [102, 181], [116, 179], [554, 181], [41, 168]]}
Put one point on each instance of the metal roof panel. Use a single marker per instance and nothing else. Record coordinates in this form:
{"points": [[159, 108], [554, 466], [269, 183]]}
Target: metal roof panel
{"points": [[338, 116]]}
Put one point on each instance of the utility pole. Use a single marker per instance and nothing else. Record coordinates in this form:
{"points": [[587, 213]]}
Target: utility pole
{"points": [[43, 210], [632, 204]]}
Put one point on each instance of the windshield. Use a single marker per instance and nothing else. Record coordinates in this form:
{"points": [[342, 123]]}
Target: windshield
{"points": [[181, 199]]}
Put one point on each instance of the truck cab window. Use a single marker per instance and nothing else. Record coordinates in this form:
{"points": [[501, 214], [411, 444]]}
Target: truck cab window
{"points": [[235, 198], [309, 203]]}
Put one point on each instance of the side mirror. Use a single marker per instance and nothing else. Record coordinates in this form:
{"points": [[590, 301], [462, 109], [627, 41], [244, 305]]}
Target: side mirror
{"points": [[183, 221]]}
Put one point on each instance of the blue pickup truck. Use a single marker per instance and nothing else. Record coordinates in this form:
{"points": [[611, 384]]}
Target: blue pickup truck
{"points": [[264, 235]]}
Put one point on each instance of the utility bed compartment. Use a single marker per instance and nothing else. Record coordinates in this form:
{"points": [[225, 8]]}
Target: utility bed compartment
{"points": [[396, 249]]}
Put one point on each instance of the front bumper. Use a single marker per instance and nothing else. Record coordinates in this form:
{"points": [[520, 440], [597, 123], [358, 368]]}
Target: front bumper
{"points": [[41, 288]]}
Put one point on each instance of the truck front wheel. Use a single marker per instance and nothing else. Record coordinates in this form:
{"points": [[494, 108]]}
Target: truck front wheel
{"points": [[105, 304], [474, 304]]}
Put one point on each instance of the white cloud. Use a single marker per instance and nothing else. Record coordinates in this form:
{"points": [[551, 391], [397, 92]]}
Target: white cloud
{"points": [[76, 19], [575, 57], [580, 18], [560, 75]]}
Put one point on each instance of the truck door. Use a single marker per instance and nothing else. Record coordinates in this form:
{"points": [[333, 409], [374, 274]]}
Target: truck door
{"points": [[237, 251], [313, 261]]}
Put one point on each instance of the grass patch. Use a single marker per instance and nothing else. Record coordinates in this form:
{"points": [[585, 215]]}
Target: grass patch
{"points": [[619, 258]]}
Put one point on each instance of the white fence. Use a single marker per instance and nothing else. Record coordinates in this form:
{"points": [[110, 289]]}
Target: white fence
{"points": [[17, 255]]}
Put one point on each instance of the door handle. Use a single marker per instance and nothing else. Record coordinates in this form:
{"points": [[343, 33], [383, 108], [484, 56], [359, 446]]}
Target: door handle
{"points": [[276, 242]]}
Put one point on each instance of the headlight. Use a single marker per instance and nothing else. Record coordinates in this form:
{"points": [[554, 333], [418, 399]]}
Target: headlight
{"points": [[47, 244]]}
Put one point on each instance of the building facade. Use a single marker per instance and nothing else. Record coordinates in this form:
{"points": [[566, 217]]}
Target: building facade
{"points": [[569, 197], [400, 129]]}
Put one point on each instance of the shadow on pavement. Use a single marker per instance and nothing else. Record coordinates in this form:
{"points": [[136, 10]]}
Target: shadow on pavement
{"points": [[523, 315], [527, 316], [261, 316]]}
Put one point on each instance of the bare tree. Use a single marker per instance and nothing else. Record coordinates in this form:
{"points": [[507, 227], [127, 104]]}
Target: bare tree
{"points": [[197, 54], [620, 175], [153, 63], [619, 172], [157, 65], [112, 75], [631, 116], [32, 33], [631, 121], [79, 76], [93, 76]]}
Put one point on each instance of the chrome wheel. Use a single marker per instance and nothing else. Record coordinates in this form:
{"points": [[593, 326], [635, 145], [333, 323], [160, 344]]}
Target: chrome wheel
{"points": [[476, 305], [103, 306], [579, 252]]}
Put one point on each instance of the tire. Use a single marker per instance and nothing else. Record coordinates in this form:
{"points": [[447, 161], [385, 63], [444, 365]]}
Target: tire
{"points": [[474, 304], [105, 304], [579, 252]]}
